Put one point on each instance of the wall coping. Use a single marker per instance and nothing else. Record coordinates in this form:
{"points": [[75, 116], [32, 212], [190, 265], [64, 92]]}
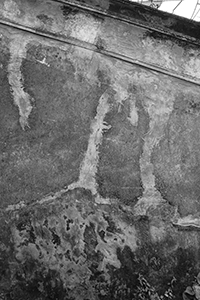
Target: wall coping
{"points": [[144, 16], [125, 30]]}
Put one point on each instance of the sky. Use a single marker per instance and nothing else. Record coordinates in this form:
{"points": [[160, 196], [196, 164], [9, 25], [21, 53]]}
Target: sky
{"points": [[185, 9]]}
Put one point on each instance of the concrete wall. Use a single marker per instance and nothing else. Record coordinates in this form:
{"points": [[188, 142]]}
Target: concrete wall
{"points": [[99, 152]]}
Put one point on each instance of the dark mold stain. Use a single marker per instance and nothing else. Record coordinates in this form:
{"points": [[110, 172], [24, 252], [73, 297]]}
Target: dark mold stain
{"points": [[45, 19], [170, 39], [68, 10], [148, 273], [136, 11], [111, 224], [152, 270], [36, 282], [186, 27], [90, 239], [68, 222], [172, 25], [55, 238], [100, 44]]}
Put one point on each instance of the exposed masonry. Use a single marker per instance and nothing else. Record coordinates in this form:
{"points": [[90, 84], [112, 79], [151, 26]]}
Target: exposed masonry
{"points": [[21, 98], [89, 165]]}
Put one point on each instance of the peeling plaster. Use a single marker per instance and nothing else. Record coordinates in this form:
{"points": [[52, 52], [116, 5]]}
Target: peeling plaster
{"points": [[60, 238], [89, 165], [15, 77]]}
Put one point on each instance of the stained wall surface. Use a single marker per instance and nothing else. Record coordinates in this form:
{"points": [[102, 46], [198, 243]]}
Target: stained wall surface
{"points": [[99, 152]]}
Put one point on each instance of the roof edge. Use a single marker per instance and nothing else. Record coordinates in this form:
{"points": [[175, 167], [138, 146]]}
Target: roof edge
{"points": [[143, 16]]}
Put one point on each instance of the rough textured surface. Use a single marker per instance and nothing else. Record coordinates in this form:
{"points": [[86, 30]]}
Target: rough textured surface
{"points": [[99, 156], [98, 26]]}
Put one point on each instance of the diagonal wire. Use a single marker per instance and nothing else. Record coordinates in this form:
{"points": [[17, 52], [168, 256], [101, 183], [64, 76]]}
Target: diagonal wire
{"points": [[153, 2], [177, 6], [196, 13], [197, 3], [157, 4], [194, 9]]}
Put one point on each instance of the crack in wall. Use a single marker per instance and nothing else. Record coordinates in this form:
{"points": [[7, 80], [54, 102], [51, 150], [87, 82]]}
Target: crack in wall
{"points": [[89, 165], [21, 99]]}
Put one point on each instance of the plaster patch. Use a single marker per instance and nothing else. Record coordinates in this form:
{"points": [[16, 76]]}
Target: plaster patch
{"points": [[67, 237], [120, 85], [83, 27], [13, 207], [15, 77], [43, 62], [159, 112], [188, 222], [133, 118], [89, 165], [158, 233], [11, 9]]}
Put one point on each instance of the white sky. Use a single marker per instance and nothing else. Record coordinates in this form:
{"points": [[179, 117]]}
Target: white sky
{"points": [[185, 9]]}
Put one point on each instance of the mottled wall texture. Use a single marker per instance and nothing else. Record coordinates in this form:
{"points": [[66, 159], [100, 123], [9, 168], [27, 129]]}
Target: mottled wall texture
{"points": [[99, 152]]}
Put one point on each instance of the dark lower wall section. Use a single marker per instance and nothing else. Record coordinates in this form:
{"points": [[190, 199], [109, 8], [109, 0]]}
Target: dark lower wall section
{"points": [[99, 161], [72, 248]]}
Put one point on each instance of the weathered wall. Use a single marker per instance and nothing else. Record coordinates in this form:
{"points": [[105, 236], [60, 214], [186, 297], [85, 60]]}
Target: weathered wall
{"points": [[99, 152]]}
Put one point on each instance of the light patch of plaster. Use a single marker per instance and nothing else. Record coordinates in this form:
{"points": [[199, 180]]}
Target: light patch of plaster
{"points": [[187, 222], [11, 9], [67, 254], [158, 233], [89, 165], [21, 98], [120, 85], [129, 234], [133, 118], [82, 27], [159, 111], [13, 207], [43, 62]]}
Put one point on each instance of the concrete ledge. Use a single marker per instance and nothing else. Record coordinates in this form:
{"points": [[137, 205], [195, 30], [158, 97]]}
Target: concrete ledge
{"points": [[141, 15], [127, 31]]}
